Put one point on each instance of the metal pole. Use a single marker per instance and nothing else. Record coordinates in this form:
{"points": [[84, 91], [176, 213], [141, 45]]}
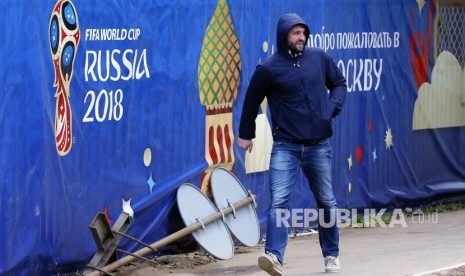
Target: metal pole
{"points": [[175, 236], [134, 239]]}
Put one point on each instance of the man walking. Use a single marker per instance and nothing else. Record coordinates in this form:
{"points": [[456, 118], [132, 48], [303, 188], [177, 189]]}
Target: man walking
{"points": [[296, 80]]}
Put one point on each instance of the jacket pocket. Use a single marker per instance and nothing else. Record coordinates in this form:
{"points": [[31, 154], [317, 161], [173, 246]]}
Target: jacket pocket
{"points": [[330, 110]]}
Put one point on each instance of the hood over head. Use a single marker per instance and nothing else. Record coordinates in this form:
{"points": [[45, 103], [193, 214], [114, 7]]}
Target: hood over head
{"points": [[285, 24]]}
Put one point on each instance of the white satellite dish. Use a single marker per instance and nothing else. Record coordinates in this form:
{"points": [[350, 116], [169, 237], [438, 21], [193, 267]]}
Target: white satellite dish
{"points": [[194, 206], [226, 190], [203, 220]]}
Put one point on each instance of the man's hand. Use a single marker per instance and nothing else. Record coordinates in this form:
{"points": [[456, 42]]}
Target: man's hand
{"points": [[245, 144]]}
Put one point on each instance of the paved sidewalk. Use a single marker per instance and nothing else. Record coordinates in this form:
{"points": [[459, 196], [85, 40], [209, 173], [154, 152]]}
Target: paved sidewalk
{"points": [[427, 243]]}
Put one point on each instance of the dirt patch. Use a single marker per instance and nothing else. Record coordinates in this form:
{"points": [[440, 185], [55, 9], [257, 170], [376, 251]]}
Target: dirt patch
{"points": [[459, 271], [168, 263], [176, 263]]}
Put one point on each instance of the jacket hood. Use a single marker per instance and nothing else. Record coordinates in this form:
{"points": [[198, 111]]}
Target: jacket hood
{"points": [[285, 24]]}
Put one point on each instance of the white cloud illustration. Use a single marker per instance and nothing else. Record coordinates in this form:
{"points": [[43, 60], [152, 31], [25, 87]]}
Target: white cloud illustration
{"points": [[259, 159], [442, 103]]}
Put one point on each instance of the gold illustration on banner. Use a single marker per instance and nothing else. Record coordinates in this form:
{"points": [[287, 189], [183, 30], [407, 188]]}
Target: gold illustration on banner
{"points": [[218, 78]]}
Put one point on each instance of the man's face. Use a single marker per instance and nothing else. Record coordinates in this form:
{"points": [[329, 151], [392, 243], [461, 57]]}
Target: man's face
{"points": [[296, 38]]}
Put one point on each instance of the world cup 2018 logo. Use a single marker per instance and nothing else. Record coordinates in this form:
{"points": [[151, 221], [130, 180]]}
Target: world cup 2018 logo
{"points": [[64, 39]]}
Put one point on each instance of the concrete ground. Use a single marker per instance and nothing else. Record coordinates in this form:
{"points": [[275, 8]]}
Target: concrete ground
{"points": [[428, 244]]}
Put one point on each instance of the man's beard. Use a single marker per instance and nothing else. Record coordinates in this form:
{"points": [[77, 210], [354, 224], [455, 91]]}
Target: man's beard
{"points": [[296, 48]]}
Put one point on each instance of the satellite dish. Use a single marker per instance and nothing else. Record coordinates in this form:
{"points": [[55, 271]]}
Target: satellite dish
{"points": [[194, 206], [226, 190], [202, 218]]}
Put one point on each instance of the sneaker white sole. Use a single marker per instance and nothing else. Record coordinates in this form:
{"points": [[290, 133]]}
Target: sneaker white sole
{"points": [[332, 270], [267, 265]]}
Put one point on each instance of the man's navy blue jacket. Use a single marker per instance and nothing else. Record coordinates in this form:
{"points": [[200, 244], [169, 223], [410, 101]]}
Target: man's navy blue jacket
{"points": [[296, 87]]}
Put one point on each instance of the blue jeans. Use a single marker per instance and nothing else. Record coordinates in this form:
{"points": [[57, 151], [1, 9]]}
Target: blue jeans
{"points": [[315, 161]]}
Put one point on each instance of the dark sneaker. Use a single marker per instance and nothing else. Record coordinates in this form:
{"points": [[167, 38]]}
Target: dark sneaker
{"points": [[269, 263], [332, 264]]}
